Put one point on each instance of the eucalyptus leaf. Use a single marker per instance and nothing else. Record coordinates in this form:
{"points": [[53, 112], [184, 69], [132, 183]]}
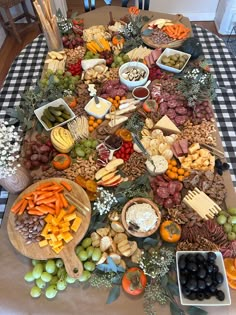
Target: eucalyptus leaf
{"points": [[12, 112], [175, 310], [117, 279], [149, 242], [113, 295], [164, 281], [173, 288], [120, 269], [111, 264], [193, 310]]}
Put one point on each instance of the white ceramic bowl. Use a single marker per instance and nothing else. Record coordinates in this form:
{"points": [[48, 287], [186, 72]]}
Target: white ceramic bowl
{"points": [[224, 286], [133, 64], [168, 52], [103, 107], [39, 112]]}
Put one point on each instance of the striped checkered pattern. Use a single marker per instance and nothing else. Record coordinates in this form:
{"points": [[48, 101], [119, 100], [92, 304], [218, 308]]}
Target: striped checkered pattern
{"points": [[27, 68]]}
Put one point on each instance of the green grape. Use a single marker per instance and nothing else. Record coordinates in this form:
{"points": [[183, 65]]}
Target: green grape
{"points": [[35, 292], [68, 74], [113, 65], [86, 242], [59, 263], [94, 143], [50, 266], [90, 251], [35, 262], [54, 280], [85, 276], [45, 276], [126, 58], [83, 255], [60, 72], [61, 285], [96, 254], [51, 291], [88, 144], [78, 249], [40, 283], [89, 265], [61, 273], [70, 279], [29, 277], [37, 271], [80, 152]]}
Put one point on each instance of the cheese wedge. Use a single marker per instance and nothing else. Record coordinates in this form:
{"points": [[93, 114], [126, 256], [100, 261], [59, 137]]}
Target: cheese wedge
{"points": [[117, 121], [167, 125]]}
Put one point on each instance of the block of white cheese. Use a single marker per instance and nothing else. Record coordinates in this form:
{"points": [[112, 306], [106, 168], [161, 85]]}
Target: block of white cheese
{"points": [[167, 125]]}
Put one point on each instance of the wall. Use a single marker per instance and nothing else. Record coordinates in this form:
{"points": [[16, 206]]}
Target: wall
{"points": [[199, 10], [225, 16]]}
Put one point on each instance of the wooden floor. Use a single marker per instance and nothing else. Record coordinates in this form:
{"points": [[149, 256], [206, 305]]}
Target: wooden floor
{"points": [[11, 48]]}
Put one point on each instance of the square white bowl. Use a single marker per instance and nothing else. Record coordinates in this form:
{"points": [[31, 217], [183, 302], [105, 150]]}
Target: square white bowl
{"points": [[224, 286], [106, 109], [168, 52], [39, 112]]}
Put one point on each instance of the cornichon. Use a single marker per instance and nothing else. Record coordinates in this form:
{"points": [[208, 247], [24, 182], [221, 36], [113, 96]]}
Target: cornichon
{"points": [[54, 111], [48, 115], [60, 119], [65, 116], [47, 121]]}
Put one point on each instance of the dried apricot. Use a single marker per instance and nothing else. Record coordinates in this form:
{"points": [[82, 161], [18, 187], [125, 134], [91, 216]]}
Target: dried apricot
{"points": [[232, 283], [230, 268], [91, 122], [117, 98], [81, 181], [186, 173], [180, 178], [173, 175]]}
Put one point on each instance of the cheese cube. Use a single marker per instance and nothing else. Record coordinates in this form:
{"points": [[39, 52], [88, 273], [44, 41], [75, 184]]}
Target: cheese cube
{"points": [[193, 148]]}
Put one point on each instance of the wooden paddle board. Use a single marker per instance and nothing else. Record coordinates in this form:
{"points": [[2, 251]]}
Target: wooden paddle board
{"points": [[73, 265]]}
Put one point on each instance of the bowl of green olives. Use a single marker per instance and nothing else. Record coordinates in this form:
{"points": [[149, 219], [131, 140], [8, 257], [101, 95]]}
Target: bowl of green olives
{"points": [[173, 60], [202, 278]]}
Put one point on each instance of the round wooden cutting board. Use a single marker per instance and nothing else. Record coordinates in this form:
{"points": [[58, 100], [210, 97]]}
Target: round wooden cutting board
{"points": [[174, 44], [73, 265]]}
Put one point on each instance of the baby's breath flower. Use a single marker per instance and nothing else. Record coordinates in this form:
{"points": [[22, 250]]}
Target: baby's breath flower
{"points": [[10, 143], [105, 201]]}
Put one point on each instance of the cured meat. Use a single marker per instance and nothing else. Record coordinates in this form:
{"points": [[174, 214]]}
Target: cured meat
{"points": [[172, 187], [184, 145], [168, 203], [158, 200], [178, 186], [181, 110], [177, 149], [171, 113], [163, 108], [172, 104], [180, 120], [163, 192], [177, 198]]}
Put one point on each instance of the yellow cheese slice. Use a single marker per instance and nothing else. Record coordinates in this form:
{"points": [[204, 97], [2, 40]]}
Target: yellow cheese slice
{"points": [[167, 125]]}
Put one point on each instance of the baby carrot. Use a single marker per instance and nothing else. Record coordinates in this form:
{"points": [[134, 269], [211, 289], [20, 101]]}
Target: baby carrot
{"points": [[71, 209], [17, 206], [35, 212], [44, 195], [22, 207], [64, 201], [31, 204], [66, 185], [44, 185], [46, 200], [52, 187], [45, 209]]}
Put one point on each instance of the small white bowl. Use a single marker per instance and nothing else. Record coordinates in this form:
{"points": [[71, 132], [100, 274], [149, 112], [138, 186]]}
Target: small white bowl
{"points": [[224, 286], [133, 64], [168, 52], [139, 91], [103, 106], [39, 112]]}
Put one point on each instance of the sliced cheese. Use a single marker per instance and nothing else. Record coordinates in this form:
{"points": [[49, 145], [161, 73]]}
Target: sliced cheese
{"points": [[117, 121], [119, 112], [167, 125]]}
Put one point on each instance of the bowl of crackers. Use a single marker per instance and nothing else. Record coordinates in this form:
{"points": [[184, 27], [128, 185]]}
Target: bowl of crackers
{"points": [[141, 217]]}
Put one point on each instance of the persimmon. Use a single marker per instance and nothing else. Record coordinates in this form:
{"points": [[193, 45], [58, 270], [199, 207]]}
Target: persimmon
{"points": [[61, 161], [134, 281], [170, 231]]}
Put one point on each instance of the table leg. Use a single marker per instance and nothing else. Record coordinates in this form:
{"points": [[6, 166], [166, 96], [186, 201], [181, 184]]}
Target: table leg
{"points": [[12, 24]]}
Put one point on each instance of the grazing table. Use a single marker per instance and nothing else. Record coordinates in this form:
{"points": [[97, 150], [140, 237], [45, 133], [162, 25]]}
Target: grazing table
{"points": [[25, 71]]}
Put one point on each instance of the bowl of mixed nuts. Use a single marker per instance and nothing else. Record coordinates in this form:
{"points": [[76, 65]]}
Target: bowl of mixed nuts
{"points": [[133, 74]]}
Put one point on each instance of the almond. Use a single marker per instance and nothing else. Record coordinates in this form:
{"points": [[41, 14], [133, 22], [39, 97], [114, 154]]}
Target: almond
{"points": [[105, 243], [117, 227], [120, 237]]}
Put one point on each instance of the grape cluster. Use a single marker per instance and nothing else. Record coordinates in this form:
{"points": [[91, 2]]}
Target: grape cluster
{"points": [[119, 60], [61, 80], [85, 148]]}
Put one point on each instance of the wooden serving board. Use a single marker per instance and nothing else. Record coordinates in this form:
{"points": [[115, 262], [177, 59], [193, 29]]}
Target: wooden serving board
{"points": [[73, 265], [174, 44]]}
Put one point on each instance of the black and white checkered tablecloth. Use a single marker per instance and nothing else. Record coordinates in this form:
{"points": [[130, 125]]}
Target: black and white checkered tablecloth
{"points": [[27, 68]]}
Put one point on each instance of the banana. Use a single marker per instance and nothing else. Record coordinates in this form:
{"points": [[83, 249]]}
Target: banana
{"points": [[61, 139], [66, 136], [55, 136]]}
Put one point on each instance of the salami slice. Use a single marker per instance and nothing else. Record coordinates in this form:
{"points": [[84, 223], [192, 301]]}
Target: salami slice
{"points": [[168, 203], [163, 108], [163, 192], [177, 198], [180, 120], [181, 110], [172, 187], [171, 113], [158, 200], [172, 104]]}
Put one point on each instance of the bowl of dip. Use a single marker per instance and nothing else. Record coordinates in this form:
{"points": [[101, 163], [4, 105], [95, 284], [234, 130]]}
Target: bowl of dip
{"points": [[98, 110], [141, 217], [141, 93], [133, 74]]}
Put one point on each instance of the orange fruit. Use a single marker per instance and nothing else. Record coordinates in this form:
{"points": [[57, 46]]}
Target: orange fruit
{"points": [[95, 125], [90, 122], [181, 171], [91, 118], [186, 173], [230, 268], [123, 98], [99, 121], [91, 128], [117, 98], [180, 178], [174, 169], [173, 162], [232, 283]]}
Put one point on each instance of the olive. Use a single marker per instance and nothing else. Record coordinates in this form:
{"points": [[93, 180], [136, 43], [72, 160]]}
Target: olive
{"points": [[200, 258], [220, 295], [186, 291], [183, 279], [200, 296], [218, 163], [191, 284], [219, 278], [208, 280], [192, 296], [212, 288], [184, 272], [211, 256], [215, 269], [201, 284], [201, 273], [225, 166], [207, 295], [209, 268], [191, 258], [182, 263], [192, 267]]}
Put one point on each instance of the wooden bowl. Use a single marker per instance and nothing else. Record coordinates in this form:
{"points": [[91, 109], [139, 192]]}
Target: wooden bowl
{"points": [[136, 233]]}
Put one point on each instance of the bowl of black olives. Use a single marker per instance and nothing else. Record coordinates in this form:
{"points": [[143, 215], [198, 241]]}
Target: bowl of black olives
{"points": [[202, 278]]}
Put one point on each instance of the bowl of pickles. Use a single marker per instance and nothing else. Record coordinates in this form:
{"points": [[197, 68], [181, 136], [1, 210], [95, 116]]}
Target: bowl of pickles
{"points": [[173, 60], [54, 114]]}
